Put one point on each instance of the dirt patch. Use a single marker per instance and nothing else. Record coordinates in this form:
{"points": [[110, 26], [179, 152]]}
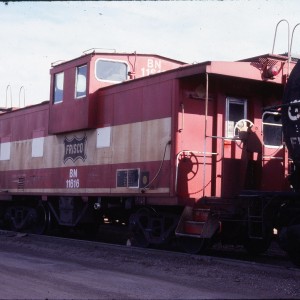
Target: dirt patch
{"points": [[117, 272]]}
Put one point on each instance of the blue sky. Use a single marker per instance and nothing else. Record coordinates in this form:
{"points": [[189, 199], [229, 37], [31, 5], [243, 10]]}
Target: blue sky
{"points": [[34, 34]]}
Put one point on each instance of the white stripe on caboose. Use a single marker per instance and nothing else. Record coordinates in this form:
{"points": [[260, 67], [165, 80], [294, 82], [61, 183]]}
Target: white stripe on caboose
{"points": [[127, 143]]}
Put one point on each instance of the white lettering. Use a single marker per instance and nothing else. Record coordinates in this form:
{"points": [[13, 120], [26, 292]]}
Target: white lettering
{"points": [[293, 111], [154, 63], [72, 184], [153, 67], [157, 64], [150, 63], [73, 181], [74, 149], [73, 173]]}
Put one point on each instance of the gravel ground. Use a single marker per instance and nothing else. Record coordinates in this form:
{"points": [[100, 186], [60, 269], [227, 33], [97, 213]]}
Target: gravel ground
{"points": [[34, 267]]}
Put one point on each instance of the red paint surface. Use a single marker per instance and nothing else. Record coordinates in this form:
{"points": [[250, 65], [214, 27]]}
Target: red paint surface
{"points": [[174, 94]]}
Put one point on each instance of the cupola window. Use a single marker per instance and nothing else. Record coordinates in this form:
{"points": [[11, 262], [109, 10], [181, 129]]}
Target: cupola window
{"points": [[109, 70], [58, 87], [81, 76]]}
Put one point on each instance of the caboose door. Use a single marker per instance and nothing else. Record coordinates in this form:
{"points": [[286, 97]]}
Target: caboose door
{"points": [[233, 149], [273, 153]]}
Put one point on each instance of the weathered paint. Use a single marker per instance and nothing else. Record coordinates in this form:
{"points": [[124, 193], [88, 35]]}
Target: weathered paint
{"points": [[164, 117]]}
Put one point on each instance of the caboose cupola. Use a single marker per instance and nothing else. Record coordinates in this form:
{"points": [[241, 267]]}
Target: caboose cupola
{"points": [[74, 84]]}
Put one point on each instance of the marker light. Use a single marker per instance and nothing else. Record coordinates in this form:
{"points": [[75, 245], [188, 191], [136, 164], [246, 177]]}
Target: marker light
{"points": [[272, 72]]}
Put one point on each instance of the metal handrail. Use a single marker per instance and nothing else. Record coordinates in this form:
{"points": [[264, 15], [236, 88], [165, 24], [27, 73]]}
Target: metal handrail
{"points": [[289, 53], [93, 50], [22, 87], [290, 41], [8, 86], [290, 49], [283, 20]]}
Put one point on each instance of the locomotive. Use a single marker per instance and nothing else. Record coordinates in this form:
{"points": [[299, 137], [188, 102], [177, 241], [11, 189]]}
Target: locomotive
{"points": [[192, 152]]}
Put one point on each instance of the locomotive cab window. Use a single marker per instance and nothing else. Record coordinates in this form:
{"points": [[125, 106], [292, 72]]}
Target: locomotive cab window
{"points": [[109, 70], [58, 87], [80, 87], [236, 109], [272, 129]]}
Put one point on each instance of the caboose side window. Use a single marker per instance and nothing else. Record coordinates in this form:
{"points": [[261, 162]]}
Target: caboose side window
{"points": [[80, 87], [236, 109], [58, 87], [109, 70], [272, 129]]}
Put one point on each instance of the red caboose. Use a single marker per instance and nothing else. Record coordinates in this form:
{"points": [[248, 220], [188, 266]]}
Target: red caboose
{"points": [[188, 149]]}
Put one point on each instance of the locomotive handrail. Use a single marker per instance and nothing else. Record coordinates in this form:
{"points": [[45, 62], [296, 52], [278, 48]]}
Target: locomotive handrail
{"points": [[270, 108], [188, 151], [290, 49], [267, 123]]}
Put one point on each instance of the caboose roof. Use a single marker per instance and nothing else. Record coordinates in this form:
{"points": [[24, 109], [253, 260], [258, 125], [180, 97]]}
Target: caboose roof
{"points": [[249, 68], [114, 54], [282, 57]]}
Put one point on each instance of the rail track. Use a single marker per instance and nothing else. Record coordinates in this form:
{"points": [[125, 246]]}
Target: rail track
{"points": [[274, 257]]}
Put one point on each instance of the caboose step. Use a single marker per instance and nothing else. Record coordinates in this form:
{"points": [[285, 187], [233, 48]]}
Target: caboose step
{"points": [[216, 201], [209, 200], [197, 222], [192, 227], [200, 214]]}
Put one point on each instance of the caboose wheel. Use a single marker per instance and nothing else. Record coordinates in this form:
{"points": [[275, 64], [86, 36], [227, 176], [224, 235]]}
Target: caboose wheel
{"points": [[32, 219], [41, 220], [193, 245], [149, 227]]}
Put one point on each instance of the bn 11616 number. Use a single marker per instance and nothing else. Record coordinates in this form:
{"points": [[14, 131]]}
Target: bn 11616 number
{"points": [[72, 183]]}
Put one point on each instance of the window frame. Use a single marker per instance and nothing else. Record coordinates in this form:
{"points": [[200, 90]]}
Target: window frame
{"points": [[60, 100], [271, 124], [233, 100], [114, 61], [76, 81]]}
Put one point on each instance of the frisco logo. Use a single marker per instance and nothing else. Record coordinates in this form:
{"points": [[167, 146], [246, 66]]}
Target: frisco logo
{"points": [[75, 148]]}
